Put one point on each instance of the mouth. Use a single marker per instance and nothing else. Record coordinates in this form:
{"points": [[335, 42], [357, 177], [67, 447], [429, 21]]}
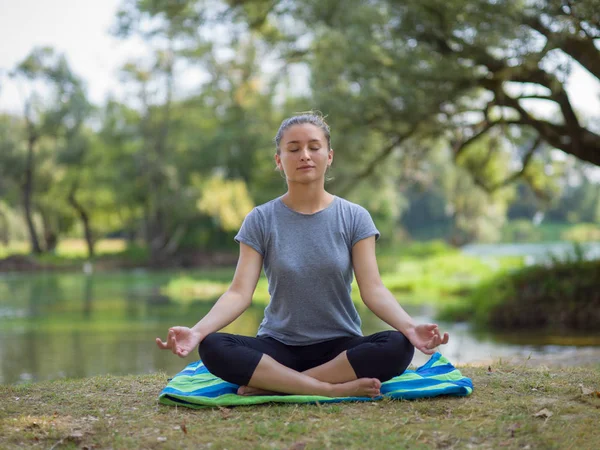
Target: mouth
{"points": [[306, 167]]}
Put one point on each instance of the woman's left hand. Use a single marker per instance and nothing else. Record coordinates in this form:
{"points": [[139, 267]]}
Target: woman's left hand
{"points": [[426, 337]]}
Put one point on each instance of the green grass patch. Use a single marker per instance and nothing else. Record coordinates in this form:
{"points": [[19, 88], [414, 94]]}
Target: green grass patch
{"points": [[523, 230], [512, 406]]}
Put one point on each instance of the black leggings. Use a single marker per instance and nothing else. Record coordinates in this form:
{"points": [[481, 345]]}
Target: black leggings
{"points": [[234, 358]]}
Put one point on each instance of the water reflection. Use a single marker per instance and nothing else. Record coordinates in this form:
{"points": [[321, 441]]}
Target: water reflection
{"points": [[77, 325]]}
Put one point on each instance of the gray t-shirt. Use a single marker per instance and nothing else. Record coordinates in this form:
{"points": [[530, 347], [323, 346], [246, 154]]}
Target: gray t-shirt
{"points": [[308, 263]]}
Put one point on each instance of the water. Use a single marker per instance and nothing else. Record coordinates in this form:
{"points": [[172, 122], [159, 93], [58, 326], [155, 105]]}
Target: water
{"points": [[77, 325], [536, 253]]}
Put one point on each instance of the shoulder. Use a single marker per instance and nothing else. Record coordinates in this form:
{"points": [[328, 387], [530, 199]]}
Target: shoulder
{"points": [[264, 210], [352, 208]]}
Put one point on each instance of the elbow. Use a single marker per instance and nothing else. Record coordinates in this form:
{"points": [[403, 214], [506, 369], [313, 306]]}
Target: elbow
{"points": [[371, 293], [241, 298]]}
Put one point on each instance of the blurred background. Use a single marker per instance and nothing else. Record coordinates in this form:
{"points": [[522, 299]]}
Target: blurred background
{"points": [[135, 135]]}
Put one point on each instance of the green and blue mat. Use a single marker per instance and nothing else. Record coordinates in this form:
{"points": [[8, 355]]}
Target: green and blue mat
{"points": [[196, 387]]}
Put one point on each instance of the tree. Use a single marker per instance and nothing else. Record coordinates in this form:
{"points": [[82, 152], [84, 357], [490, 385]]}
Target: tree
{"points": [[444, 67], [172, 31], [51, 92]]}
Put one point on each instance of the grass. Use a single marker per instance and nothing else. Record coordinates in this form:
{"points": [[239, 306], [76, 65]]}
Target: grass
{"points": [[122, 412]]}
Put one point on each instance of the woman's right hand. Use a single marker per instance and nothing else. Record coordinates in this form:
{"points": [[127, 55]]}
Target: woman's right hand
{"points": [[180, 340]]}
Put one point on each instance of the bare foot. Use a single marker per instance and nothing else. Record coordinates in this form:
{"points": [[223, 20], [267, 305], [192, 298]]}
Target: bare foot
{"points": [[363, 387], [248, 390]]}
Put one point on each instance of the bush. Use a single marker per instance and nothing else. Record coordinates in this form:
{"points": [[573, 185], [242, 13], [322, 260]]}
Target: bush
{"points": [[584, 232], [563, 296]]}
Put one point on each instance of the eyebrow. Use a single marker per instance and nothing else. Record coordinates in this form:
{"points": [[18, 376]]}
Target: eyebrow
{"points": [[297, 142]]}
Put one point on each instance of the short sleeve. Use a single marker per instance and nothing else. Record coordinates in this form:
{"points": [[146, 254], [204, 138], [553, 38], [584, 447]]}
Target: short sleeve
{"points": [[252, 232], [364, 226]]}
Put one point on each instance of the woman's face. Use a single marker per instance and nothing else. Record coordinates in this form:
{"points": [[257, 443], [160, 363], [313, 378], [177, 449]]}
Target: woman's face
{"points": [[304, 154]]}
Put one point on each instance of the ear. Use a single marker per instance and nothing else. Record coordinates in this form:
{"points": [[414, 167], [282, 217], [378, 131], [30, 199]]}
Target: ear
{"points": [[278, 161], [330, 157]]}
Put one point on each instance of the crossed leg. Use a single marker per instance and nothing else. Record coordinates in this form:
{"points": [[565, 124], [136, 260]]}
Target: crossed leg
{"points": [[273, 377], [265, 366], [337, 371]]}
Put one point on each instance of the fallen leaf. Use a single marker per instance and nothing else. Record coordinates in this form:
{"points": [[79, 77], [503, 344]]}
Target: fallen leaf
{"points": [[161, 439], [225, 413], [76, 435], [586, 391], [298, 446], [183, 428], [545, 413]]}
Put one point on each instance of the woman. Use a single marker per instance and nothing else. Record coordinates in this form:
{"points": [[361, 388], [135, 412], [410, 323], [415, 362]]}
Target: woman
{"points": [[310, 243]]}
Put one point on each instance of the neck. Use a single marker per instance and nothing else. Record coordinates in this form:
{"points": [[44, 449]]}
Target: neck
{"points": [[307, 198]]}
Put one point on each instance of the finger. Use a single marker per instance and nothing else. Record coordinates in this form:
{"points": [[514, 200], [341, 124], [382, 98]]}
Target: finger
{"points": [[446, 338], [434, 342], [172, 341], [426, 350], [162, 345], [175, 349]]}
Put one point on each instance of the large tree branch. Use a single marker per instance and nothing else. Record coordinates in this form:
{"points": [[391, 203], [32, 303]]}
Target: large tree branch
{"points": [[489, 188], [383, 154], [580, 49], [583, 145]]}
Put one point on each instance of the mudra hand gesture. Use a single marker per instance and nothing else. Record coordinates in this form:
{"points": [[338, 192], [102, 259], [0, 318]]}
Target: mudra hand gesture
{"points": [[180, 340], [426, 337]]}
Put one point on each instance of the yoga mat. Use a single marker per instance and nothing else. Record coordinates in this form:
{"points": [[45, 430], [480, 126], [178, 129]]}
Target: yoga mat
{"points": [[196, 387]]}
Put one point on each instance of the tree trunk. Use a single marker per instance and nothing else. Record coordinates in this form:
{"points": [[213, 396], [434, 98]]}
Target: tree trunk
{"points": [[85, 220], [27, 192], [50, 236], [4, 229]]}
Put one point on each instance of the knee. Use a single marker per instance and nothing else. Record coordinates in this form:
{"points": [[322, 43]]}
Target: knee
{"points": [[211, 348], [399, 344], [398, 352]]}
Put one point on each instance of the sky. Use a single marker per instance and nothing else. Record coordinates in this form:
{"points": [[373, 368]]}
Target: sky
{"points": [[80, 29], [77, 28]]}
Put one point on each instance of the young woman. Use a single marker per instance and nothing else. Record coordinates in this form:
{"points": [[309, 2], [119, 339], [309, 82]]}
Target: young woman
{"points": [[310, 244]]}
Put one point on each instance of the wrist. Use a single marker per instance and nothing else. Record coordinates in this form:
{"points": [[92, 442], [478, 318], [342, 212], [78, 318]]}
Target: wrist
{"points": [[409, 329], [199, 332]]}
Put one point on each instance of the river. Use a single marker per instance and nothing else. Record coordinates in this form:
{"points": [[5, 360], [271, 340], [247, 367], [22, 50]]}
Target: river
{"points": [[57, 325]]}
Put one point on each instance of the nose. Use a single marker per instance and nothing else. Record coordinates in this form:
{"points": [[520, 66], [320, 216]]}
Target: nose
{"points": [[305, 155]]}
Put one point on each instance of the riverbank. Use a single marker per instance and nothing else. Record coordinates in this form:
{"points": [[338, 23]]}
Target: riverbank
{"points": [[576, 357], [512, 406]]}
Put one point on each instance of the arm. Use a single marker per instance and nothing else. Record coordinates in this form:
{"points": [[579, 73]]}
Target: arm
{"points": [[238, 297], [380, 300], [182, 340]]}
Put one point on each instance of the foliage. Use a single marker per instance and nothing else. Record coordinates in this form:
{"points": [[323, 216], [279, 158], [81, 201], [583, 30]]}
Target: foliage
{"points": [[561, 296], [521, 230], [431, 107], [227, 201], [582, 232]]}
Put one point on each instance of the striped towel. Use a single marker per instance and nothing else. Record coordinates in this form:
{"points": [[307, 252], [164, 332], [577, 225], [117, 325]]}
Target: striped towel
{"points": [[196, 387]]}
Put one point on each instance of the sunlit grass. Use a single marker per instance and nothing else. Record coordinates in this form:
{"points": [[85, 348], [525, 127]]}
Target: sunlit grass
{"points": [[512, 406], [69, 248]]}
